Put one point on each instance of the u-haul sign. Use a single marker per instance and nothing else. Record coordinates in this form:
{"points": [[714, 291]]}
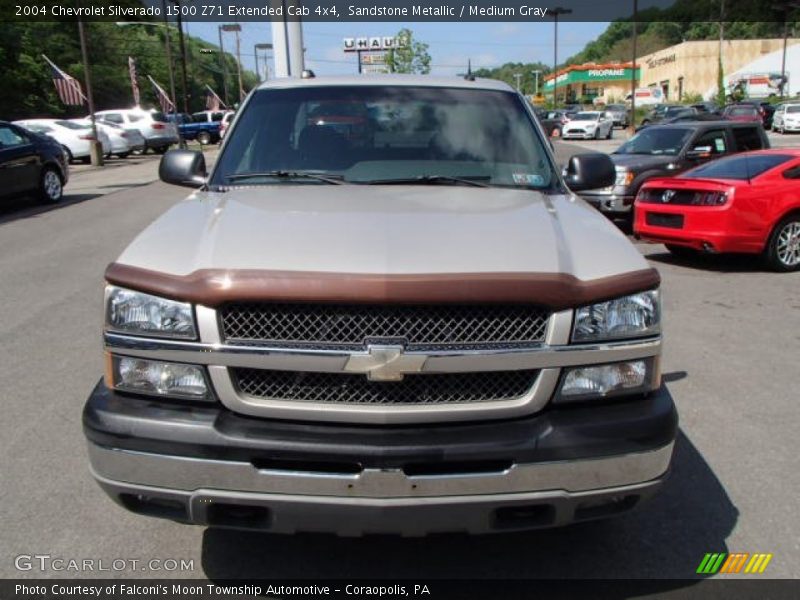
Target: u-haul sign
{"points": [[373, 44]]}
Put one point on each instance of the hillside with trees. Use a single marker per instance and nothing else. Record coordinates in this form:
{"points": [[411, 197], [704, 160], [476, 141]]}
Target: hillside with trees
{"points": [[689, 20], [26, 79]]}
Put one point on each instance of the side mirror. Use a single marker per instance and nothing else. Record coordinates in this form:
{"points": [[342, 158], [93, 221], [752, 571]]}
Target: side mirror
{"points": [[698, 153], [183, 167], [589, 171]]}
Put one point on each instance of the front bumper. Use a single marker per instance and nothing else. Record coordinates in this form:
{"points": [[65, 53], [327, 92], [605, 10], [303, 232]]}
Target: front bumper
{"points": [[161, 141], [210, 466], [613, 201], [577, 135]]}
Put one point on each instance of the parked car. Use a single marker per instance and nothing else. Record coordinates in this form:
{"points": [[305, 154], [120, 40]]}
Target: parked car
{"points": [[786, 118], [120, 143], [748, 203], [663, 112], [31, 163], [619, 114], [75, 138], [691, 116], [707, 107], [765, 110], [158, 134], [203, 126], [746, 113], [664, 150], [589, 125], [429, 333], [553, 122], [226, 121]]}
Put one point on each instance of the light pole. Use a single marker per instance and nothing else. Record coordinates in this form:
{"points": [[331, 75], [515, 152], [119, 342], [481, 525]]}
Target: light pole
{"points": [[96, 148], [256, 48], [236, 28], [556, 12], [222, 66], [536, 74], [633, 68], [184, 79], [517, 76]]}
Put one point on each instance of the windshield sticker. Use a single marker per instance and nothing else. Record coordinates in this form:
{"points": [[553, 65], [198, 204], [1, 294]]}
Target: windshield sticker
{"points": [[720, 144], [528, 179]]}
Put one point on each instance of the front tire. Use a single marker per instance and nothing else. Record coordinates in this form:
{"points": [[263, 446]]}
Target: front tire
{"points": [[51, 188], [161, 149], [610, 133], [123, 155], [783, 248], [203, 138]]}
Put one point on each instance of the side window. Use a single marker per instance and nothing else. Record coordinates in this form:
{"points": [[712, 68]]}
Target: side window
{"points": [[135, 118], [217, 116], [199, 117], [747, 138], [112, 118], [792, 173], [9, 138], [711, 141]]}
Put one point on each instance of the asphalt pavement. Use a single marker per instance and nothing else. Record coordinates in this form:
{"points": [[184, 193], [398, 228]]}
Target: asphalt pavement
{"points": [[732, 344]]}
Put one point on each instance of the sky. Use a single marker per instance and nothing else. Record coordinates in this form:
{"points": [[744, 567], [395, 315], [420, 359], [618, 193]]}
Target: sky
{"points": [[450, 44]]}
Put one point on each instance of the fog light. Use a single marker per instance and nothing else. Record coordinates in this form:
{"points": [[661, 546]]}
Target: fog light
{"points": [[158, 378], [602, 381]]}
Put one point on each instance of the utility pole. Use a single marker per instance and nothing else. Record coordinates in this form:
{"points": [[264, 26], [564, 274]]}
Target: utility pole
{"points": [[264, 47], [183, 58], [96, 152], [556, 12], [517, 76], [633, 67], [168, 44], [222, 66], [239, 64], [536, 74]]}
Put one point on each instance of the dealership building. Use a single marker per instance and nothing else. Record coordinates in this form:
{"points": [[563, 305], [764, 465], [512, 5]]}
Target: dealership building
{"points": [[686, 68]]}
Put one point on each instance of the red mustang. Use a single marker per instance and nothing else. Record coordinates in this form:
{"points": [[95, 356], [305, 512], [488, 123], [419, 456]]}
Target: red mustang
{"points": [[748, 202]]}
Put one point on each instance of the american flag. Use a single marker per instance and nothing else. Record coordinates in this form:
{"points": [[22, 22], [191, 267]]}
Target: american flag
{"points": [[134, 81], [68, 88], [213, 102], [167, 105]]}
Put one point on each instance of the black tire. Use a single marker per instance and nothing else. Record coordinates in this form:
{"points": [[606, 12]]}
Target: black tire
{"points": [[123, 155], [597, 133], [51, 186], [682, 251], [161, 149], [68, 154], [86, 160], [204, 138], [783, 247], [610, 133]]}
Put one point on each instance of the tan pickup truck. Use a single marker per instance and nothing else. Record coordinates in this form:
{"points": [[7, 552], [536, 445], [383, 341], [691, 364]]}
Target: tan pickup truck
{"points": [[384, 310]]}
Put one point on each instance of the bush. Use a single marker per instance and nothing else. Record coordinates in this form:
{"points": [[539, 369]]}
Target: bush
{"points": [[692, 98]]}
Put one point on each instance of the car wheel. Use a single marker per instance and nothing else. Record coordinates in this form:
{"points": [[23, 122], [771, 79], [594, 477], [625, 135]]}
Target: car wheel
{"points": [[597, 133], [123, 155], [783, 247], [51, 189], [203, 138], [67, 154], [610, 133], [161, 149]]}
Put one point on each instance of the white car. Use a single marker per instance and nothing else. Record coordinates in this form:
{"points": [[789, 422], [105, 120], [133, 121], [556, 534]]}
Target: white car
{"points": [[120, 144], [227, 119], [75, 138], [159, 135], [786, 118], [588, 125]]}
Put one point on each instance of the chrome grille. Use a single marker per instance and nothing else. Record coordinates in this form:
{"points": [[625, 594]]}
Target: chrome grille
{"points": [[354, 326], [449, 388]]}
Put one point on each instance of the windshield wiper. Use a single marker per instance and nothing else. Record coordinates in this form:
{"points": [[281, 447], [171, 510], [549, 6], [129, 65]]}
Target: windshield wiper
{"points": [[474, 180], [333, 179]]}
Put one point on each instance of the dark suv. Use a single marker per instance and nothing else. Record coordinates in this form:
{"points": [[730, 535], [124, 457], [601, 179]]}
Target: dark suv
{"points": [[665, 150]]}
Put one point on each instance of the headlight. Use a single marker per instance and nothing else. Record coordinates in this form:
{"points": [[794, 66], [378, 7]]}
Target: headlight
{"points": [[157, 378], [604, 381], [624, 177], [637, 315], [137, 313]]}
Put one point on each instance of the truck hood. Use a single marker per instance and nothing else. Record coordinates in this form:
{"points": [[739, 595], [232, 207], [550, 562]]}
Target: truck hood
{"points": [[383, 230], [641, 162]]}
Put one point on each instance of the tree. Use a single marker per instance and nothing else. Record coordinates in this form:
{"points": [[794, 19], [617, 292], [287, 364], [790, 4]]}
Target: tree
{"points": [[411, 57], [720, 83]]}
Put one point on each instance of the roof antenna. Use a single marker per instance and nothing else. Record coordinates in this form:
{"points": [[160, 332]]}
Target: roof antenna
{"points": [[469, 76]]}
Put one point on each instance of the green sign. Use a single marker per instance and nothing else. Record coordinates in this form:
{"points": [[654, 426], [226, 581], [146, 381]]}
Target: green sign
{"points": [[592, 75]]}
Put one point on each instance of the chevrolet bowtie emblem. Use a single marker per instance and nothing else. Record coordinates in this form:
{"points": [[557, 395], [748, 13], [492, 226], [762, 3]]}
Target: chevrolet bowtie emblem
{"points": [[385, 363]]}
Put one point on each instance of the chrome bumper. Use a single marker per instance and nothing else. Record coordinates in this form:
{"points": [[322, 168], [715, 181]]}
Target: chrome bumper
{"points": [[237, 494]]}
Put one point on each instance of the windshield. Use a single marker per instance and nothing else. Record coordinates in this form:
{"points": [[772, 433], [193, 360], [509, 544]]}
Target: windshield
{"points": [[585, 116], [72, 125], [738, 167], [656, 141], [370, 134]]}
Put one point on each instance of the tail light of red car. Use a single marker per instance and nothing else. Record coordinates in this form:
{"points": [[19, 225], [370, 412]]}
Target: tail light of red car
{"points": [[157, 125]]}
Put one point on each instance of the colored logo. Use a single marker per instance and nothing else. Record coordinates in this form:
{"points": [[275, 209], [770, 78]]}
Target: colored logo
{"points": [[735, 562]]}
